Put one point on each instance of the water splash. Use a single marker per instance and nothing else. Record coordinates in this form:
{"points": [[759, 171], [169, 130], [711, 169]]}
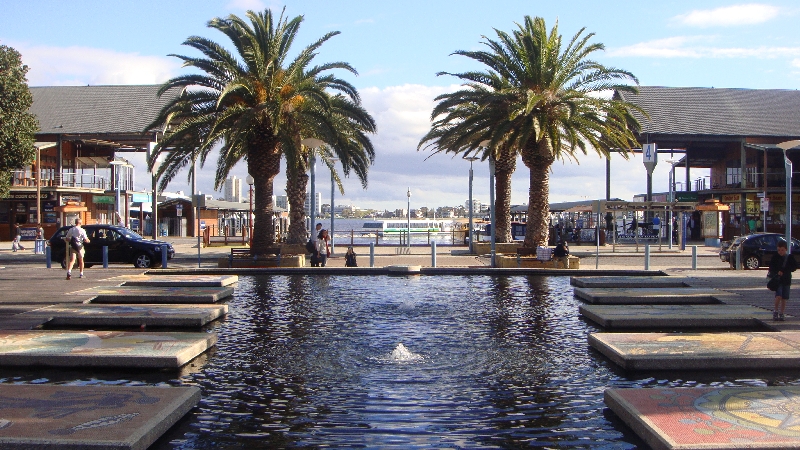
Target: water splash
{"points": [[403, 354]]}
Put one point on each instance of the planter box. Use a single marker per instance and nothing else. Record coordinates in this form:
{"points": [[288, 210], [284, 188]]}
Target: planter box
{"points": [[268, 261], [484, 248], [510, 262]]}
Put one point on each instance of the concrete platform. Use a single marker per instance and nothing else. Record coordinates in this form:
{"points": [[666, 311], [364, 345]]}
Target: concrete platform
{"points": [[650, 296], [404, 270], [102, 348], [177, 280], [629, 282], [676, 316], [156, 294], [704, 351], [127, 315], [94, 417], [711, 417]]}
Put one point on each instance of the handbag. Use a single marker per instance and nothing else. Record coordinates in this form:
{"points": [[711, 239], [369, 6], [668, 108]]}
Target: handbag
{"points": [[775, 280], [75, 243]]}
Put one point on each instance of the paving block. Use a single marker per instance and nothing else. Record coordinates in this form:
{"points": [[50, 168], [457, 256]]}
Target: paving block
{"points": [[156, 294], [629, 282], [700, 351], [177, 280], [650, 296], [675, 316], [108, 315], [711, 417], [167, 350], [89, 417]]}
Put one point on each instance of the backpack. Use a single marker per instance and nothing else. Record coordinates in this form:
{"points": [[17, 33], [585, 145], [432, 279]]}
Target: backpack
{"points": [[311, 247]]}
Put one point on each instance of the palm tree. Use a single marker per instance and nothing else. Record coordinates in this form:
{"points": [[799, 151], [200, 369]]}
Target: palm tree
{"points": [[549, 105], [254, 103], [343, 127]]}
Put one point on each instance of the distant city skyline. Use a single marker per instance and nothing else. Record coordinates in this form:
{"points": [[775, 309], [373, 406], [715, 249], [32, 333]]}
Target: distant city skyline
{"points": [[398, 48]]}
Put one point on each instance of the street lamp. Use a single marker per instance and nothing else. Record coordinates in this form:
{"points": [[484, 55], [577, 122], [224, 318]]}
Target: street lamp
{"points": [[671, 199], [408, 193], [249, 179], [788, 166], [333, 215], [493, 228], [471, 159]]}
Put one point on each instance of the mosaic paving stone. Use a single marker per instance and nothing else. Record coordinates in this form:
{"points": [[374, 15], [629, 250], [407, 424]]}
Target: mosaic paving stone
{"points": [[129, 315], [80, 417], [628, 282], [102, 348], [650, 296], [177, 280], [711, 417], [156, 294], [690, 351], [675, 316]]}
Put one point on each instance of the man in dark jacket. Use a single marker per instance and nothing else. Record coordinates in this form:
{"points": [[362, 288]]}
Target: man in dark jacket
{"points": [[561, 254], [782, 265]]}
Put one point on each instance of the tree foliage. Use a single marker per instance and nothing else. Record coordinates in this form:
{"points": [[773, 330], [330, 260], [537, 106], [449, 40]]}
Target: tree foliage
{"points": [[17, 125]]}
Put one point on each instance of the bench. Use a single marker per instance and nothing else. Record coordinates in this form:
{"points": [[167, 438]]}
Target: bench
{"points": [[244, 254]]}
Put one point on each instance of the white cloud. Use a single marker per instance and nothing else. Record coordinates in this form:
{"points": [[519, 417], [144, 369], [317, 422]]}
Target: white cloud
{"points": [[84, 65], [746, 14], [246, 5], [698, 47]]}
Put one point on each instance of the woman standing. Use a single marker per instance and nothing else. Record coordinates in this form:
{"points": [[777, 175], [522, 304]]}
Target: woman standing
{"points": [[323, 250]]}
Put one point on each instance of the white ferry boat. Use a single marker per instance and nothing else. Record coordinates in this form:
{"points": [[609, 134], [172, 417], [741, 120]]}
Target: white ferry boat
{"points": [[401, 226]]}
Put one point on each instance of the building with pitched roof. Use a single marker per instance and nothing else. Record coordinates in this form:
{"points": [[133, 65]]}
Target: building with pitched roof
{"points": [[734, 133], [81, 168]]}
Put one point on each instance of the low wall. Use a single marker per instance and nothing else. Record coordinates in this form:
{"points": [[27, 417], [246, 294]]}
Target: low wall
{"points": [[484, 248], [528, 262], [267, 261]]}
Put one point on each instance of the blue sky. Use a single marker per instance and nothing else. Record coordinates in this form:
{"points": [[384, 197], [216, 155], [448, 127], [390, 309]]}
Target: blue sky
{"points": [[398, 47]]}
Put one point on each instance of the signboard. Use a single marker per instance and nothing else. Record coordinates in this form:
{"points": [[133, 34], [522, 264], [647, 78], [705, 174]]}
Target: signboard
{"points": [[29, 196], [686, 196], [70, 198], [764, 204], [202, 225], [649, 157], [103, 199], [141, 198], [179, 210]]}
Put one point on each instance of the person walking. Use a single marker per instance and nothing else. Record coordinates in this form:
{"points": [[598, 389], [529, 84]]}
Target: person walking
{"points": [[323, 250], [17, 243], [782, 265], [76, 238]]}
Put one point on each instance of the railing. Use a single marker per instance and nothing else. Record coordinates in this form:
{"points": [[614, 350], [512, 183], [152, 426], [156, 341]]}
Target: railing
{"points": [[68, 179]]}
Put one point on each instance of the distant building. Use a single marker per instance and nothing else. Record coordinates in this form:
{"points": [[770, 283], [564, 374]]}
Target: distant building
{"points": [[476, 206], [317, 204], [233, 189], [282, 201]]}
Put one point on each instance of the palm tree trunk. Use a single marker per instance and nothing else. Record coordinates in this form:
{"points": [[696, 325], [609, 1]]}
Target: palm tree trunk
{"points": [[296, 185], [263, 166], [538, 160], [503, 169]]}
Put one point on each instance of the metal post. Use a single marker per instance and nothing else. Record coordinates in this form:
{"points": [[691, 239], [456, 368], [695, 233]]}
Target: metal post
{"points": [[48, 257], [671, 199], [491, 207], [646, 256], [469, 230], [372, 254], [788, 163], [694, 257], [164, 256], [433, 254], [312, 161], [198, 231], [408, 243], [738, 258], [105, 257], [333, 216]]}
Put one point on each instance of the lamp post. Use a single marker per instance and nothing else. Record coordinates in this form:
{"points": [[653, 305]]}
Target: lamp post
{"points": [[785, 146], [471, 159], [116, 165], [249, 179], [333, 215], [312, 143], [408, 214], [671, 199]]}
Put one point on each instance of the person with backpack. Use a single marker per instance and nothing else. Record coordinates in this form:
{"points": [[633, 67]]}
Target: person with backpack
{"points": [[782, 265], [323, 249]]}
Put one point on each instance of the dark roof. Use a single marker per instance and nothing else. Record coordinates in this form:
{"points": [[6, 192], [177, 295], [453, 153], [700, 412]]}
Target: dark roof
{"points": [[717, 112], [97, 109]]}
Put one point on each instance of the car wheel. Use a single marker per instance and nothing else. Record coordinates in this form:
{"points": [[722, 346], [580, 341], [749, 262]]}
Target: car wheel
{"points": [[143, 261], [751, 262]]}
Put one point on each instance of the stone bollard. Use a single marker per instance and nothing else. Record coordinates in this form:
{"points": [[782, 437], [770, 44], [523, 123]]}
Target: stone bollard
{"points": [[694, 257], [105, 257], [164, 256], [48, 257], [646, 256]]}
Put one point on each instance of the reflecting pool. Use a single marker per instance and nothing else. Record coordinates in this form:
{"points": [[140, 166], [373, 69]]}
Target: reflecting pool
{"points": [[404, 362]]}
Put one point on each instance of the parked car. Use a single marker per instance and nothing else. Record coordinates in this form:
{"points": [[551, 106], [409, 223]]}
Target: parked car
{"points": [[124, 246], [757, 249]]}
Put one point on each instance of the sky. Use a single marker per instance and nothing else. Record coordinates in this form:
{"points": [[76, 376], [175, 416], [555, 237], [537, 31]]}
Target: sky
{"points": [[398, 48]]}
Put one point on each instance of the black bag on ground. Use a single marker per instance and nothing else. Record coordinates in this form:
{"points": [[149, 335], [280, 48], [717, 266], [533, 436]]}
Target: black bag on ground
{"points": [[773, 283], [75, 244]]}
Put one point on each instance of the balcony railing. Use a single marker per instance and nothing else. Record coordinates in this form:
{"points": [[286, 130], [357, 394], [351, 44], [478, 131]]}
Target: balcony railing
{"points": [[24, 178]]}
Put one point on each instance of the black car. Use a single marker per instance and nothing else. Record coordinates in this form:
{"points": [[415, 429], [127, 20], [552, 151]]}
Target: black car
{"points": [[757, 249], [124, 246]]}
